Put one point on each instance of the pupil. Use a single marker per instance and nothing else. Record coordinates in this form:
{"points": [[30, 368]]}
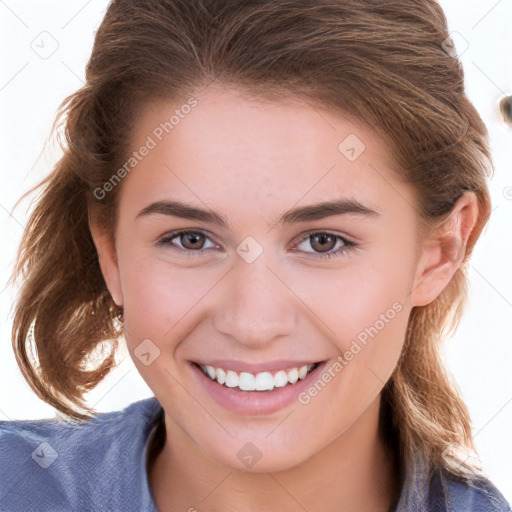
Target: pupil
{"points": [[322, 240]]}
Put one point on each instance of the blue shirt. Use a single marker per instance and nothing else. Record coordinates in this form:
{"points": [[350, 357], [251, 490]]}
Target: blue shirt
{"points": [[53, 465]]}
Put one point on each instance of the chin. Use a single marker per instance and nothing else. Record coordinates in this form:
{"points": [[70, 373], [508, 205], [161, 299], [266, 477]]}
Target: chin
{"points": [[249, 459]]}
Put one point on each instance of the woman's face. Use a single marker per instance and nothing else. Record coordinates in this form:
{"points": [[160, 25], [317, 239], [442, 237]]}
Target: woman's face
{"points": [[270, 279]]}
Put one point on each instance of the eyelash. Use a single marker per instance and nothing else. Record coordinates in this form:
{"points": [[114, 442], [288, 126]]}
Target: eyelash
{"points": [[347, 247]]}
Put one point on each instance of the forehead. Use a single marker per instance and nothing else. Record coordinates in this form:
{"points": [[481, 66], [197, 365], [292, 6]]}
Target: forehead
{"points": [[223, 145]]}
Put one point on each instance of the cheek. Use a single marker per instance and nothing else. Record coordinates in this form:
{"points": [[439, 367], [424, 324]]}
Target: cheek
{"points": [[363, 310], [346, 301], [159, 299]]}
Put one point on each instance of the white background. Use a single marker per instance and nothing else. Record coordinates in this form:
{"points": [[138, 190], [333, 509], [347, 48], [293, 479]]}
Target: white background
{"points": [[31, 88]]}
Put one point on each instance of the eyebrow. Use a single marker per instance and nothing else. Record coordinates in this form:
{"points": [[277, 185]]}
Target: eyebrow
{"points": [[301, 214]]}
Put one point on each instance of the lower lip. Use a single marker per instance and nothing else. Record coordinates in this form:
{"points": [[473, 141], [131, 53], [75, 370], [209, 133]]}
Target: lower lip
{"points": [[255, 402]]}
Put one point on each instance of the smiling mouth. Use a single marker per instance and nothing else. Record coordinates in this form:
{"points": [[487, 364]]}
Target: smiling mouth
{"points": [[262, 381]]}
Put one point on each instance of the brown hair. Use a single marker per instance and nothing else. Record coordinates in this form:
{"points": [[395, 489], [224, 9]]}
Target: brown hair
{"points": [[381, 63]]}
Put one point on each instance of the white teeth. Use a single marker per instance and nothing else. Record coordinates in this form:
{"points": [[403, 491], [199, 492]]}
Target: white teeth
{"points": [[293, 375], [280, 379], [263, 381], [211, 371], [221, 375], [247, 382], [303, 371], [232, 379]]}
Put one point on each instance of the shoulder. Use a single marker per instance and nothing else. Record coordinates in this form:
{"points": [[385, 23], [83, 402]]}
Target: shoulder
{"points": [[455, 494], [427, 488], [55, 464]]}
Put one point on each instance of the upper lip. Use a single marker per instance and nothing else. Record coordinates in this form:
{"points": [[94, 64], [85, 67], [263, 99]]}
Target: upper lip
{"points": [[242, 366]]}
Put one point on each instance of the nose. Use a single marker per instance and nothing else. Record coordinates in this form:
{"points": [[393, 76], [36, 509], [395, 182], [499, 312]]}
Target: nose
{"points": [[256, 306]]}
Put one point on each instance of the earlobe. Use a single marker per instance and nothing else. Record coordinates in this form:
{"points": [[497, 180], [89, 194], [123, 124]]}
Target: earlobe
{"points": [[107, 257], [443, 251]]}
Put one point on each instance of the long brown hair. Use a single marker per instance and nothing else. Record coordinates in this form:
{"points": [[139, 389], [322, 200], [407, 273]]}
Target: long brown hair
{"points": [[381, 63]]}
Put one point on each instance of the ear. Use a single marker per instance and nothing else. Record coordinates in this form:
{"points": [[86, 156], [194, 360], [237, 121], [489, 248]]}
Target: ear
{"points": [[443, 250], [105, 246]]}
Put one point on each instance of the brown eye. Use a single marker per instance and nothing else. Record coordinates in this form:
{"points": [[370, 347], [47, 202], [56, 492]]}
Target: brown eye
{"points": [[192, 240], [187, 241], [325, 245], [323, 242]]}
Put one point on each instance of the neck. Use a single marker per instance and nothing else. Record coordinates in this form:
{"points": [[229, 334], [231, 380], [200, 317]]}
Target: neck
{"points": [[356, 471]]}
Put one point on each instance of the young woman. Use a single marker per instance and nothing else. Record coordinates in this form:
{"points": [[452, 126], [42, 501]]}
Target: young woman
{"points": [[274, 204]]}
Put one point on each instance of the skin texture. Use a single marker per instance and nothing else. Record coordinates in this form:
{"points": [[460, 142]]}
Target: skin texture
{"points": [[250, 161]]}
